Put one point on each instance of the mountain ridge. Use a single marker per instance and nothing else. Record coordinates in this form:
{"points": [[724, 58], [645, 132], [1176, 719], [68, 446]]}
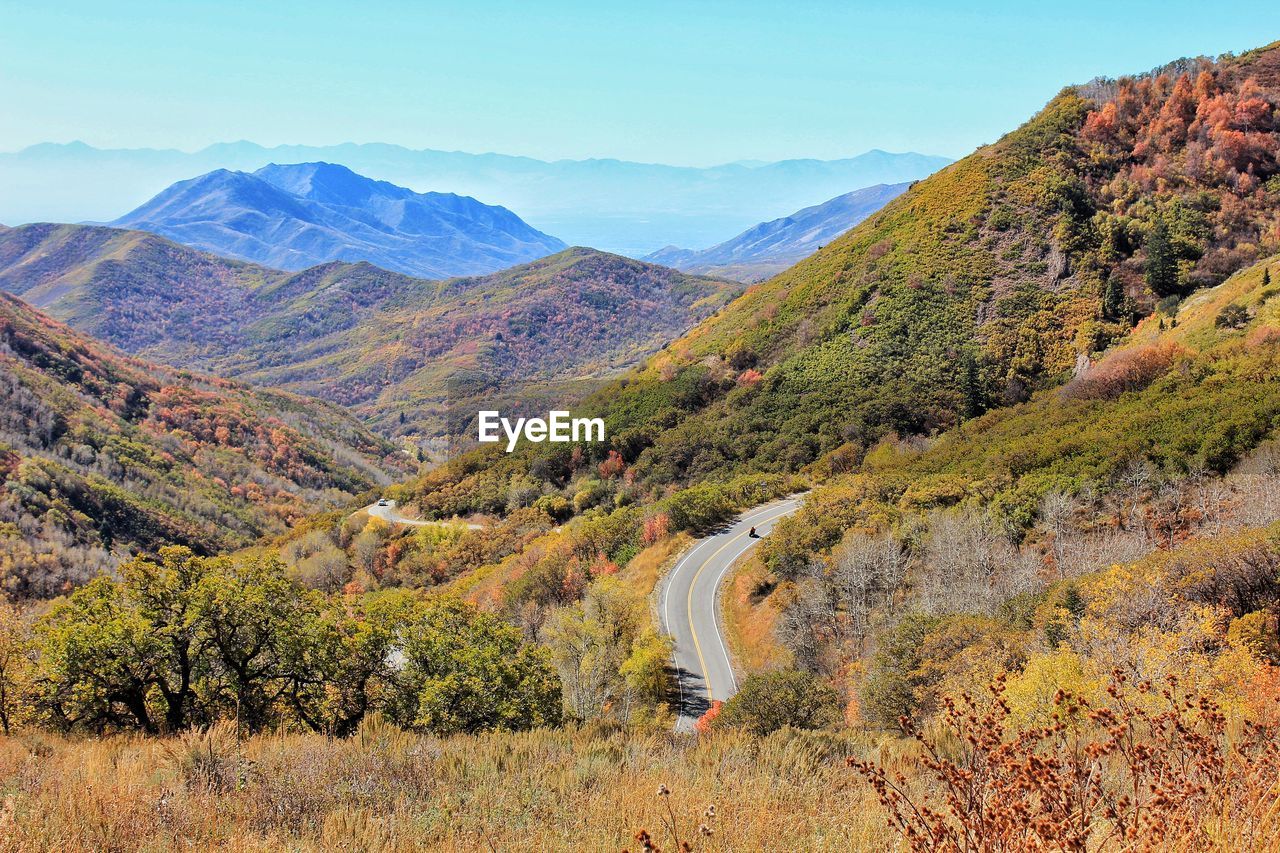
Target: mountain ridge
{"points": [[295, 216], [358, 335], [770, 247], [616, 205]]}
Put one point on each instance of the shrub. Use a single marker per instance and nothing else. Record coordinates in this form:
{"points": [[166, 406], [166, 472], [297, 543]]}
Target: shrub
{"points": [[1232, 317], [1118, 777], [1125, 371], [785, 697]]}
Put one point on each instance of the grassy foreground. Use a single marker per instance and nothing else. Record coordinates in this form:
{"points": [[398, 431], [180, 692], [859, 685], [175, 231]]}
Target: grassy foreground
{"points": [[385, 789]]}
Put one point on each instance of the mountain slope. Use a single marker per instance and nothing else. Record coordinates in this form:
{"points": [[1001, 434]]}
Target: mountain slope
{"points": [[770, 247], [1180, 400], [625, 207], [386, 343], [295, 216], [101, 454], [135, 290], [575, 315], [982, 283]]}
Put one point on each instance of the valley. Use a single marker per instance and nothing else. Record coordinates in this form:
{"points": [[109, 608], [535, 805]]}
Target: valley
{"points": [[393, 348], [940, 515]]}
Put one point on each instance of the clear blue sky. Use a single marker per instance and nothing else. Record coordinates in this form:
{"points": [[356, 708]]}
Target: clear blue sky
{"points": [[678, 82]]}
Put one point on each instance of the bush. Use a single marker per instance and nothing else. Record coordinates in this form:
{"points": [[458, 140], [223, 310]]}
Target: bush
{"points": [[1125, 371], [786, 697], [1232, 317], [1158, 766]]}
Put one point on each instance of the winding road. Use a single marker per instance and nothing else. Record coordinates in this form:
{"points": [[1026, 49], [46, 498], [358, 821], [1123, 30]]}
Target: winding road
{"points": [[389, 513], [689, 605]]}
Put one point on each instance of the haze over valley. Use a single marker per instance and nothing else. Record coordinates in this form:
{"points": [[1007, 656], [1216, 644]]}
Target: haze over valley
{"points": [[613, 205]]}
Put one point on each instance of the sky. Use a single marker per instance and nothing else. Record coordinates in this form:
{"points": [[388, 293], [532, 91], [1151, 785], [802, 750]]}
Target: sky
{"points": [[690, 83]]}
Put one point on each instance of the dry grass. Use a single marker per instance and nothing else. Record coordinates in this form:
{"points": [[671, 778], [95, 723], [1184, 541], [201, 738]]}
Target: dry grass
{"points": [[1196, 314], [749, 618], [385, 789]]}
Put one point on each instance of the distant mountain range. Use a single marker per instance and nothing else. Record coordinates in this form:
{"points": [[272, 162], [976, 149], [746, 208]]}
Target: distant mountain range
{"points": [[396, 349], [619, 206], [770, 247], [295, 216]]}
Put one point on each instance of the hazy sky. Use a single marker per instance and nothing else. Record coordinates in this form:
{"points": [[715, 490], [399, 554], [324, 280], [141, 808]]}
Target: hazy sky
{"points": [[691, 83]]}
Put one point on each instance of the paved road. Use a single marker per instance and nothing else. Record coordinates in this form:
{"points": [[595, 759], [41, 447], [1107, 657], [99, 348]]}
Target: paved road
{"points": [[391, 514], [690, 609]]}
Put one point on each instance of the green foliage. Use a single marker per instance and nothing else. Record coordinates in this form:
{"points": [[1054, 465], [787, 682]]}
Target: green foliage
{"points": [[609, 662], [185, 640], [889, 689], [1162, 265], [768, 701], [1232, 317], [466, 671]]}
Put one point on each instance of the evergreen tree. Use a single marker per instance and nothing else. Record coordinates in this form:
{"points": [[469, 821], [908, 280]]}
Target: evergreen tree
{"points": [[1113, 299], [1162, 262]]}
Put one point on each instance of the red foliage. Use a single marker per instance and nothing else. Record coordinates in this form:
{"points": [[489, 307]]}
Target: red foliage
{"points": [[656, 527], [1127, 370], [602, 565], [704, 723], [613, 466]]}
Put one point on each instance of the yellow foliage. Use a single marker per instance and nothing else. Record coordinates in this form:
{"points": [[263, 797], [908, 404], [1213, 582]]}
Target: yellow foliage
{"points": [[1030, 692]]}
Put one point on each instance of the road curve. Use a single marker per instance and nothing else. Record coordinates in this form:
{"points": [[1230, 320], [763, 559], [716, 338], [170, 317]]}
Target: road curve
{"points": [[391, 515], [689, 608]]}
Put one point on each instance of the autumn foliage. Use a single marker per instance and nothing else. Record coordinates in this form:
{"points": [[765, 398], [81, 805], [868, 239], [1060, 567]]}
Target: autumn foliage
{"points": [[1155, 764], [1127, 370]]}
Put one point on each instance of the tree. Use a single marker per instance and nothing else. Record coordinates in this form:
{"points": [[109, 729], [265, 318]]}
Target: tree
{"points": [[176, 641], [15, 665], [1113, 299], [785, 697], [889, 689], [467, 671], [341, 666], [255, 618], [165, 595], [99, 661], [606, 661], [1162, 261]]}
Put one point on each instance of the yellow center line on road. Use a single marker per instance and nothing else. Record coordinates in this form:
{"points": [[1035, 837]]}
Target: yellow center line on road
{"points": [[706, 675]]}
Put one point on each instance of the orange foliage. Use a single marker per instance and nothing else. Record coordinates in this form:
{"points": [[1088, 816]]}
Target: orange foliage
{"points": [[1119, 777], [656, 527], [703, 724], [1127, 370]]}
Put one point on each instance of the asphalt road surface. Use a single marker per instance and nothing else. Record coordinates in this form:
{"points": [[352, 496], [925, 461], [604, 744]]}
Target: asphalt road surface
{"points": [[391, 514], [690, 609]]}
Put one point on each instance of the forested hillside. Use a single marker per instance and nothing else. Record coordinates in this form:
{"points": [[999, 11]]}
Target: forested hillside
{"points": [[392, 347], [993, 278], [1070, 531], [101, 454]]}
